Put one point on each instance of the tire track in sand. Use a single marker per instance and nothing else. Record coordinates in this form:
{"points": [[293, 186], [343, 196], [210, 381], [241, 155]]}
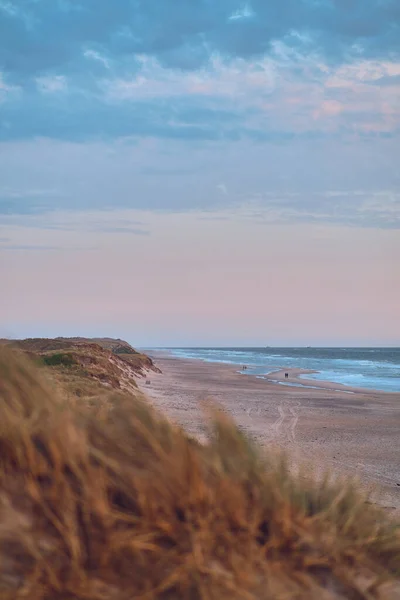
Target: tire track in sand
{"points": [[285, 425]]}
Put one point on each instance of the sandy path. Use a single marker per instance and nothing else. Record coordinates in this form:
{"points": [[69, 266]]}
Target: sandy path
{"points": [[356, 433]]}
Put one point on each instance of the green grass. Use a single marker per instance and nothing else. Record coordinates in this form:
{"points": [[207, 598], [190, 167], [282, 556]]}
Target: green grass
{"points": [[59, 359], [124, 350]]}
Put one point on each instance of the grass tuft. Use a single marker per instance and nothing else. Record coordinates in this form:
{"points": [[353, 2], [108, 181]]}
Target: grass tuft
{"points": [[59, 359]]}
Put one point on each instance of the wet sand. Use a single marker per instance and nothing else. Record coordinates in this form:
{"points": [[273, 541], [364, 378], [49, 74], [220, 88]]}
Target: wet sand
{"points": [[357, 433]]}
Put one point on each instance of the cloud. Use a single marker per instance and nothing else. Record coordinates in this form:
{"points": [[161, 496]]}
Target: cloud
{"points": [[51, 84], [29, 248], [328, 108], [357, 208], [245, 12], [222, 188], [6, 90], [219, 80], [172, 32], [19, 200], [74, 221], [149, 104], [123, 230], [92, 54], [363, 72], [266, 100], [80, 117], [197, 70], [63, 179]]}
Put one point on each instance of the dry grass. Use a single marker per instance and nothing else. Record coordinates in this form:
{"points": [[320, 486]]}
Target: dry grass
{"points": [[86, 369], [119, 504]]}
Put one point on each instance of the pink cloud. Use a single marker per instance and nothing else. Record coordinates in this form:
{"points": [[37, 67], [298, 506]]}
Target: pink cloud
{"points": [[328, 108], [319, 96]]}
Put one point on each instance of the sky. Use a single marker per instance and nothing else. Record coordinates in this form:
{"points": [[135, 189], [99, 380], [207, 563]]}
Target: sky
{"points": [[201, 172]]}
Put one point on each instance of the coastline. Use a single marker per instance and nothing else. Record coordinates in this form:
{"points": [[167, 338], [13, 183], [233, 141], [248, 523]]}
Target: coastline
{"points": [[297, 378], [297, 375], [355, 433]]}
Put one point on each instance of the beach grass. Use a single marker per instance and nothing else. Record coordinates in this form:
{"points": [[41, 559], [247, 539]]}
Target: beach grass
{"points": [[109, 500]]}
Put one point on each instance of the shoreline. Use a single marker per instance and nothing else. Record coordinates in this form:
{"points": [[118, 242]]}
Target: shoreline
{"points": [[355, 434], [277, 376], [295, 379]]}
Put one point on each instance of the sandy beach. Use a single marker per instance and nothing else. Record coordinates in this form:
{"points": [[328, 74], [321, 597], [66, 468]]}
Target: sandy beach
{"points": [[346, 430]]}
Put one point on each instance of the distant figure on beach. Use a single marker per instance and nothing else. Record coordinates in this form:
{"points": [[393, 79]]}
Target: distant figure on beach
{"points": [[244, 367], [148, 381], [286, 375]]}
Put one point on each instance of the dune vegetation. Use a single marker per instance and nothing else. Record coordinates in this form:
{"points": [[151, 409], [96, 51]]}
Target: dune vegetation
{"points": [[86, 369], [108, 500]]}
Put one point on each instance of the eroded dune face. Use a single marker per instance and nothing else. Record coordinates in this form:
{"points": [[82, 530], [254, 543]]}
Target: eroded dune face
{"points": [[120, 504]]}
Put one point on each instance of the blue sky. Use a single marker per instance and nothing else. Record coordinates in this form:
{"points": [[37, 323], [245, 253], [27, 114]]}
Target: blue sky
{"points": [[118, 116]]}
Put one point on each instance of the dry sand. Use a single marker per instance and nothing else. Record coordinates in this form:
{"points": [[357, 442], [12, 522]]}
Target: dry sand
{"points": [[344, 429]]}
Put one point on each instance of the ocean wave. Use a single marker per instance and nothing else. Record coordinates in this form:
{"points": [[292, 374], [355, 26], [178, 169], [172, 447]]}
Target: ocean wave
{"points": [[351, 368]]}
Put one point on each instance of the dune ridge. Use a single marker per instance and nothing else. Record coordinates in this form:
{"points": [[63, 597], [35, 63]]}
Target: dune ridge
{"points": [[85, 368]]}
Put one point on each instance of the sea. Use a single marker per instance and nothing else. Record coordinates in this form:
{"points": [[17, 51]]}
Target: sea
{"points": [[370, 368]]}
